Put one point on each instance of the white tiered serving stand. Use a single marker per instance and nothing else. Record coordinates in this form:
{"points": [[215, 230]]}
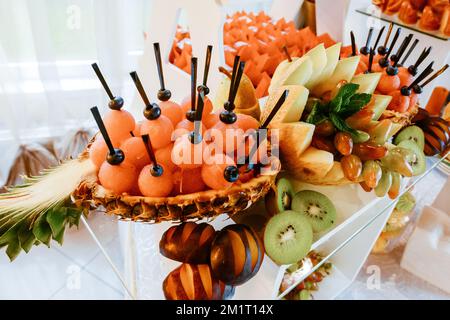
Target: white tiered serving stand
{"points": [[361, 216]]}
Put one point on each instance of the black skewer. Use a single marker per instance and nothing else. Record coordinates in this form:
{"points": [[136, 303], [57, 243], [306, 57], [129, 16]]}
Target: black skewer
{"points": [[365, 50], [406, 90], [195, 136], [371, 54], [163, 93], [384, 62], [411, 49], [190, 115], [419, 87], [382, 50], [116, 102], [286, 52], [228, 116], [352, 38], [405, 43], [206, 70], [392, 70], [156, 170], [115, 156], [380, 33], [152, 110], [413, 69]]}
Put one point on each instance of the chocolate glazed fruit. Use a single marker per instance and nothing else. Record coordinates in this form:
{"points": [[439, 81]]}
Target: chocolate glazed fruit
{"points": [[236, 254], [188, 242]]}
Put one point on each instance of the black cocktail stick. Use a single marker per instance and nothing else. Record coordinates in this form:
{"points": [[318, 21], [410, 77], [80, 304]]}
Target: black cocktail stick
{"points": [[384, 62], [163, 93], [382, 50], [411, 49], [405, 43], [195, 136], [286, 52], [190, 115], [206, 70], [413, 68], [152, 110], [156, 169], [115, 103], [392, 70], [365, 50], [371, 54], [228, 116], [419, 87], [380, 33], [406, 90], [352, 38], [237, 82], [115, 156]]}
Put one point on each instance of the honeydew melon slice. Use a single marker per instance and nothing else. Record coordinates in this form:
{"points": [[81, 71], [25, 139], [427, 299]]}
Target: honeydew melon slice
{"points": [[292, 108], [332, 54], [318, 56], [311, 164], [367, 82], [279, 73], [345, 69], [380, 104], [298, 73]]}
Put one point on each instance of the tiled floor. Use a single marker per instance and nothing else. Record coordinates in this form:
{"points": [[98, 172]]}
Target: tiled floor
{"points": [[77, 270]]}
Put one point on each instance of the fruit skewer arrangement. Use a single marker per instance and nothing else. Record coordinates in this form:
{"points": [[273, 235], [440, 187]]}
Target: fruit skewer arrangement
{"points": [[146, 170], [345, 130]]}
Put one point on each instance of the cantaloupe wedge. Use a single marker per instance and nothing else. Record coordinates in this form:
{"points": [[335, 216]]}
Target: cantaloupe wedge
{"points": [[380, 104], [332, 60], [345, 69], [311, 164], [318, 56], [292, 108], [367, 82]]}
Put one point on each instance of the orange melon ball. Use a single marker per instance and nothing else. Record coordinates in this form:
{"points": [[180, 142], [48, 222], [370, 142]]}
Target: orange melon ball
{"points": [[213, 172], [186, 105], [399, 102], [119, 123], [137, 130], [135, 152], [405, 77], [246, 122], [164, 156], [184, 127], [160, 131], [188, 181], [388, 83], [172, 110], [118, 178], [413, 100], [151, 186], [209, 120], [98, 152], [188, 155], [229, 136], [376, 67]]}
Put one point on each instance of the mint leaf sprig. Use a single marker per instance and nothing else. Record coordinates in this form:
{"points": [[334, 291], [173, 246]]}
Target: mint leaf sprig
{"points": [[346, 103]]}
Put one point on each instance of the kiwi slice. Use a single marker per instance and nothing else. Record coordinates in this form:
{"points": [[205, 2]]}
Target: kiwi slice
{"points": [[288, 237], [413, 133], [280, 197], [316, 207], [406, 203], [417, 158]]}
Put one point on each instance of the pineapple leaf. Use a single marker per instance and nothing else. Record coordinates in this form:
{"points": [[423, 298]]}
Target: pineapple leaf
{"points": [[13, 249], [41, 209], [42, 230]]}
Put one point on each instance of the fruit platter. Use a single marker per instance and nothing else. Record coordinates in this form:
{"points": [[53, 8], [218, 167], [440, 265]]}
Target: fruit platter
{"points": [[338, 123]]}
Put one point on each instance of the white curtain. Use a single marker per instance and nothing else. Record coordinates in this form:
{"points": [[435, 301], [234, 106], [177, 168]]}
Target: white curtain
{"points": [[46, 47]]}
